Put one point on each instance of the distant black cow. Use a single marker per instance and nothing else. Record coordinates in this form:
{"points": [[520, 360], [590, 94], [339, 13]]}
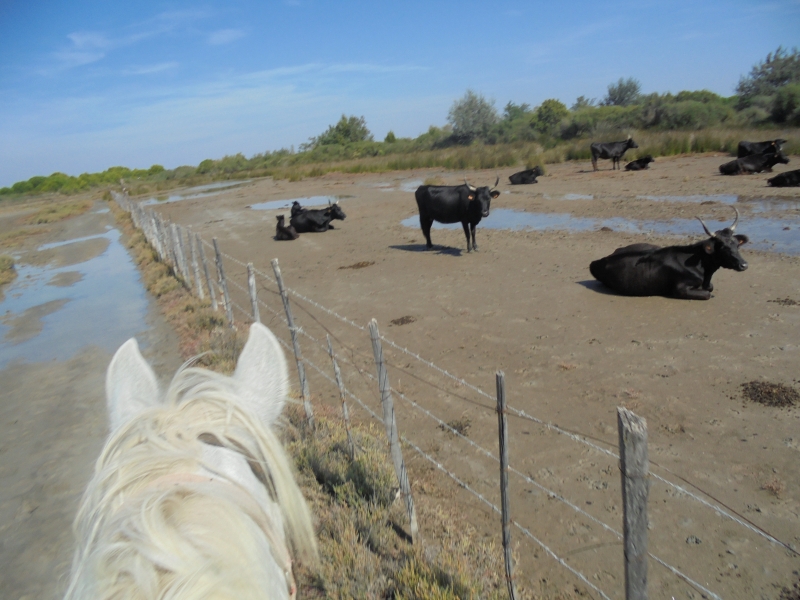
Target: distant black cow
{"points": [[788, 179], [282, 232], [453, 204], [316, 219], [754, 163], [750, 148], [639, 164], [527, 176], [612, 150], [675, 271]]}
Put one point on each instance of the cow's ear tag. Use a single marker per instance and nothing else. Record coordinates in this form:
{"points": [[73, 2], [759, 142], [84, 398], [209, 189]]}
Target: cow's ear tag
{"points": [[709, 247], [471, 197], [742, 239]]}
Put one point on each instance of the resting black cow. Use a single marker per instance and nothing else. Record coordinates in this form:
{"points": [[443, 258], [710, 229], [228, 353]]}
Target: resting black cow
{"points": [[675, 271], [453, 204], [639, 164], [282, 232], [750, 148], [753, 164], [612, 150], [788, 179], [527, 176], [296, 209], [316, 219]]}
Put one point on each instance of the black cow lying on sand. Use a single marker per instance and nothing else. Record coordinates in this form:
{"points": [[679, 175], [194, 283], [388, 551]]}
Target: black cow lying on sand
{"points": [[639, 164], [753, 164], [308, 220], [296, 209], [527, 176], [675, 271], [788, 179], [750, 148], [282, 232], [612, 150]]}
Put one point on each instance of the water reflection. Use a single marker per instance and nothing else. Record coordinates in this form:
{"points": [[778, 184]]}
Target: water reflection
{"points": [[198, 191], [43, 319], [777, 235], [307, 202]]}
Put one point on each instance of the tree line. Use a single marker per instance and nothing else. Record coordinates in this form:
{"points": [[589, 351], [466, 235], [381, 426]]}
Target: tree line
{"points": [[768, 96]]}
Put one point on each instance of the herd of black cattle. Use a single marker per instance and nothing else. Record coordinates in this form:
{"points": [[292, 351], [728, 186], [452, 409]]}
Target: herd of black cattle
{"points": [[635, 270]]}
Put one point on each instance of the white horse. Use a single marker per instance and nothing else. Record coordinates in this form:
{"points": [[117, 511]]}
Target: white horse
{"points": [[193, 495]]}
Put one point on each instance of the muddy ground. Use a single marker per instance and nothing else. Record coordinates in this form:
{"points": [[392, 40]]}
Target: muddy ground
{"points": [[53, 417], [524, 304], [571, 353]]}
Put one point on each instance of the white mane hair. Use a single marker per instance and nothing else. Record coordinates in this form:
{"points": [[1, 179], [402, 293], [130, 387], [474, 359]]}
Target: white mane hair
{"points": [[193, 495]]}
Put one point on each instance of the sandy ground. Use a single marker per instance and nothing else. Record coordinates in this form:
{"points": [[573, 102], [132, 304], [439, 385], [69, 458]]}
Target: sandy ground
{"points": [[53, 423], [524, 304], [571, 353]]}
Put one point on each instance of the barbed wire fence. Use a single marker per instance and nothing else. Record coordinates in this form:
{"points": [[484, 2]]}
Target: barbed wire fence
{"points": [[544, 492]]}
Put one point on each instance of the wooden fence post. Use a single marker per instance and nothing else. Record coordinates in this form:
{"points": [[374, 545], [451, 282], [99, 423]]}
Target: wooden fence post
{"points": [[502, 426], [223, 283], [196, 267], [209, 281], [301, 370], [391, 430], [345, 413], [634, 467], [251, 283]]}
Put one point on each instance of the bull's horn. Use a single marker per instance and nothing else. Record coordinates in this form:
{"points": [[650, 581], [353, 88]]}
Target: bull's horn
{"points": [[733, 227], [496, 181], [471, 188], [713, 235]]}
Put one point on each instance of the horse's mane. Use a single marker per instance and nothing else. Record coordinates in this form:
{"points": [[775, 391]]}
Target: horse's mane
{"points": [[157, 521]]}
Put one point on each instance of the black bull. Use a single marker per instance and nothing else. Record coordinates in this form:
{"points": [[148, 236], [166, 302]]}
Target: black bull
{"points": [[453, 204], [675, 271], [612, 150]]}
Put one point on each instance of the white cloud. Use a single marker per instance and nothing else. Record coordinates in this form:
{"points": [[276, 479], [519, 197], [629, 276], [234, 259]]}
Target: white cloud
{"points": [[149, 69], [225, 36]]}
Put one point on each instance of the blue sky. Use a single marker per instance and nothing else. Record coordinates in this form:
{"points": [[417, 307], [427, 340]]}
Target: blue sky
{"points": [[87, 84]]}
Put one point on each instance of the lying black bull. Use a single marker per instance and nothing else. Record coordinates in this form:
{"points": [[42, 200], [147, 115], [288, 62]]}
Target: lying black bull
{"points": [[753, 164], [675, 271], [316, 219], [639, 164], [612, 150], [787, 179], [284, 233], [452, 204], [526, 176], [750, 148]]}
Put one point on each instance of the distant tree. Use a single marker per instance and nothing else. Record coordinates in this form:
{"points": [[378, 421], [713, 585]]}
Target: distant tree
{"points": [[390, 138], [472, 117], [155, 169], [766, 78], [548, 115], [582, 102], [623, 93], [786, 106], [512, 111], [352, 129]]}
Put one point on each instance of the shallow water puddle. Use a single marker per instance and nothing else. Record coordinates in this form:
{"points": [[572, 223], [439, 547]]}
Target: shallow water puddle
{"points": [[307, 202], [776, 235], [199, 191], [51, 313]]}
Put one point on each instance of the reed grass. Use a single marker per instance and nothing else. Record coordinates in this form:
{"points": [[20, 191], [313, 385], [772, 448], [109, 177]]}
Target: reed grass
{"points": [[58, 211], [7, 271]]}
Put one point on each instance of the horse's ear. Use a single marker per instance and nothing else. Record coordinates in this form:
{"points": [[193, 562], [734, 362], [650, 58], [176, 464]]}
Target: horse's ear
{"points": [[262, 374], [131, 385]]}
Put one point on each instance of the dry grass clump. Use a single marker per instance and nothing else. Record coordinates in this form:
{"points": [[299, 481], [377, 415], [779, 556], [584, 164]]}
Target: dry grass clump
{"points": [[7, 271], [774, 486], [12, 239], [58, 211], [365, 552]]}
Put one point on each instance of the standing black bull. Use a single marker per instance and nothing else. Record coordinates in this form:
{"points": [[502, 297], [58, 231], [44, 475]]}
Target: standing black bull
{"points": [[453, 204], [675, 271], [526, 176], [612, 150], [753, 164], [316, 219], [750, 148]]}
